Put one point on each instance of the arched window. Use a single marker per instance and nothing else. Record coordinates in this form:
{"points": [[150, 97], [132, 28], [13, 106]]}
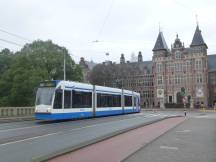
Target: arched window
{"points": [[178, 55]]}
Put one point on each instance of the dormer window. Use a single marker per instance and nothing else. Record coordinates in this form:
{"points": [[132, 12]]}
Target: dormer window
{"points": [[178, 55]]}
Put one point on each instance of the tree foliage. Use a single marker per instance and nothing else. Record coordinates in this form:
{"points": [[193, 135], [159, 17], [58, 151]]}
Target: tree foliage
{"points": [[102, 74], [5, 59], [115, 75], [107, 74], [35, 62]]}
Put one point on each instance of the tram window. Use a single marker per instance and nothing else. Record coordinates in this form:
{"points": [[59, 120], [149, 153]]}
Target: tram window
{"points": [[58, 99], [82, 99], [128, 101], [116, 101], [108, 100], [102, 100], [67, 99]]}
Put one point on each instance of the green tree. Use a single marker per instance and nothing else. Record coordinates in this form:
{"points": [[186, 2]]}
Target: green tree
{"points": [[38, 61], [6, 57], [104, 74]]}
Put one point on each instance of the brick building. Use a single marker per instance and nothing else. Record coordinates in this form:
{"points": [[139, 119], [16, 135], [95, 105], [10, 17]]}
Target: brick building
{"points": [[212, 79], [139, 78], [136, 76], [179, 75]]}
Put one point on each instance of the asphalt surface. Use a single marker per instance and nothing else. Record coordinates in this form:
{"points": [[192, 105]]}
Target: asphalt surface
{"points": [[192, 141], [16, 119], [120, 146], [32, 141]]}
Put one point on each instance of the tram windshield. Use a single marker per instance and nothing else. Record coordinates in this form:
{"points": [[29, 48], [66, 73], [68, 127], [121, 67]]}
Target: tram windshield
{"points": [[44, 95]]}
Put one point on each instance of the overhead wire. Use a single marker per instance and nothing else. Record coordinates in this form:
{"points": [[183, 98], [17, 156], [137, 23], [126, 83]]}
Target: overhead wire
{"points": [[11, 42], [15, 35], [105, 20]]}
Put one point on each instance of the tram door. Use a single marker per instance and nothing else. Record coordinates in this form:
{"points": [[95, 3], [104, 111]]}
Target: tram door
{"points": [[136, 103]]}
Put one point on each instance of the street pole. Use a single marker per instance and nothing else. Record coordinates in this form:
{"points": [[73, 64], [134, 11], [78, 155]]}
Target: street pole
{"points": [[64, 68]]}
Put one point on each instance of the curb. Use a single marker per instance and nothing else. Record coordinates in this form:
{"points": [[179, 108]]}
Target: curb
{"points": [[16, 119], [96, 140], [146, 144], [179, 109]]}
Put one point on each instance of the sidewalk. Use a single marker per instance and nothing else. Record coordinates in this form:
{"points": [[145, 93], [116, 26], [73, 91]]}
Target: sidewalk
{"points": [[192, 141]]}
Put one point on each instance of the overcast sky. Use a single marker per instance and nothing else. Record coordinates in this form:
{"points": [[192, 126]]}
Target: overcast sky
{"points": [[119, 26]]}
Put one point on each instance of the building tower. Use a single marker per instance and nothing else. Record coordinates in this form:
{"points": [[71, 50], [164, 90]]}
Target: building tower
{"points": [[140, 58], [122, 59], [160, 51], [199, 50]]}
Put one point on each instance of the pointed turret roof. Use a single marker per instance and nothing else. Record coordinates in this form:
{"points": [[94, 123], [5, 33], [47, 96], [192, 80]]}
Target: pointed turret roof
{"points": [[160, 43], [197, 38]]}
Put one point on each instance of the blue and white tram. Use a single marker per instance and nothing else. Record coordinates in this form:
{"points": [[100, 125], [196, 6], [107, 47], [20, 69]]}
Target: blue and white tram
{"points": [[59, 100]]}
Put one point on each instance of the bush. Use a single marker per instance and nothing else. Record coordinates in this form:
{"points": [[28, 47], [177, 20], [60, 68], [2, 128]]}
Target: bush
{"points": [[176, 105]]}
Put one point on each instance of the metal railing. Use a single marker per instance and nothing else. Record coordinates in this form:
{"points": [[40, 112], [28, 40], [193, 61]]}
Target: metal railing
{"points": [[16, 111]]}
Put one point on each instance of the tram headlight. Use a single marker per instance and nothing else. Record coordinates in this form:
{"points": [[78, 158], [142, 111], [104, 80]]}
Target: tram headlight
{"points": [[49, 109]]}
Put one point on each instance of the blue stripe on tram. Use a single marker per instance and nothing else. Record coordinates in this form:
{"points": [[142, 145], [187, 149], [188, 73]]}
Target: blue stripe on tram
{"points": [[76, 115], [128, 110], [58, 116], [109, 112]]}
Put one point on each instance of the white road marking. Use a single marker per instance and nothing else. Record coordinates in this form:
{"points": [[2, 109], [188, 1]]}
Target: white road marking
{"points": [[14, 125], [204, 116], [183, 131], [168, 148], [28, 139], [152, 115], [12, 129]]}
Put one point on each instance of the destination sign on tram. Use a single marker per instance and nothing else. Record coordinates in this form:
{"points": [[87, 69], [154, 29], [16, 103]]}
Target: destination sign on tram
{"points": [[48, 84]]}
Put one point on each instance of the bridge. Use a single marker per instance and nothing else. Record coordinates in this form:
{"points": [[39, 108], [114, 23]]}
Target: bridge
{"points": [[16, 111]]}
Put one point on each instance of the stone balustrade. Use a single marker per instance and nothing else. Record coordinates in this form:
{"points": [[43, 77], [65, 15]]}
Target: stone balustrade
{"points": [[16, 111]]}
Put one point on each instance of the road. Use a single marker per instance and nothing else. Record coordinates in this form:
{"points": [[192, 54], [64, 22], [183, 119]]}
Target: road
{"points": [[29, 140], [118, 147], [193, 140]]}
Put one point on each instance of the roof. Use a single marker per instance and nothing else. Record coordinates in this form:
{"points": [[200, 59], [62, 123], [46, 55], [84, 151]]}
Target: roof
{"points": [[212, 62], [78, 86], [138, 67], [160, 43], [197, 38]]}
